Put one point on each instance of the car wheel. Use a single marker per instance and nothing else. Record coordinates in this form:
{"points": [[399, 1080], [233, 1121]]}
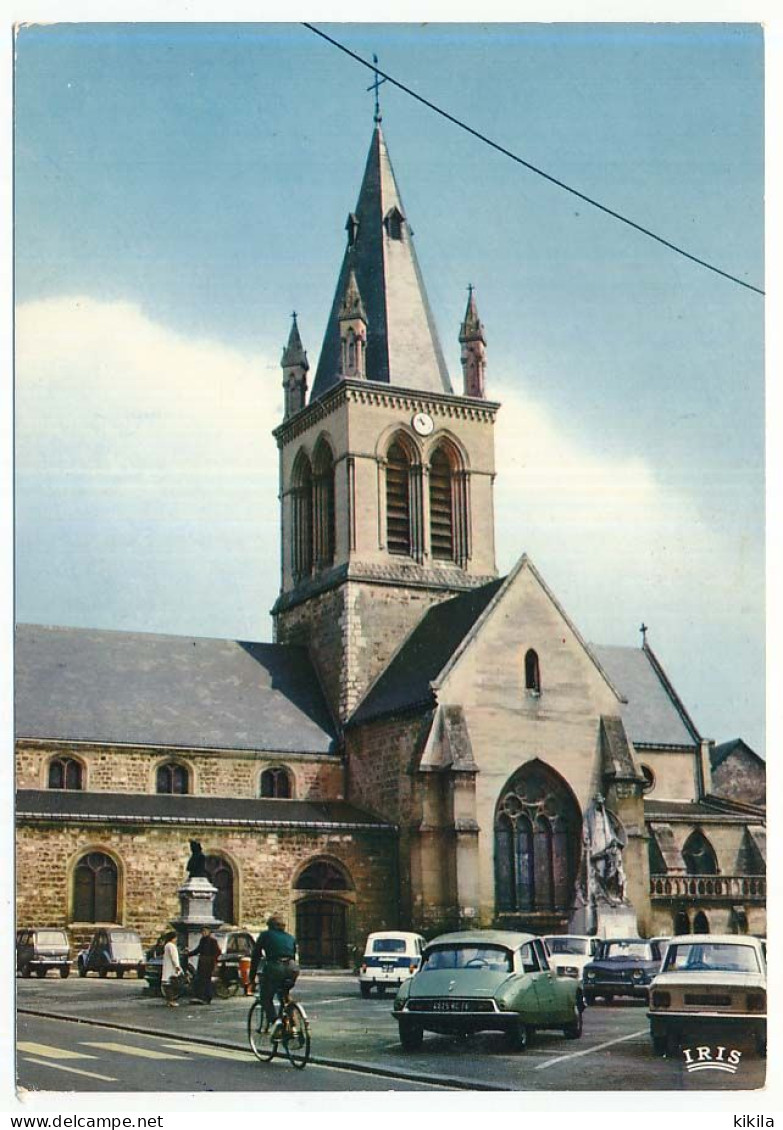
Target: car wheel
{"points": [[573, 1030], [120, 973], [660, 1045], [140, 971], [103, 971], [26, 971], [364, 989], [608, 998], [518, 1037], [40, 972], [65, 971], [589, 997], [82, 970], [381, 990], [411, 1035]]}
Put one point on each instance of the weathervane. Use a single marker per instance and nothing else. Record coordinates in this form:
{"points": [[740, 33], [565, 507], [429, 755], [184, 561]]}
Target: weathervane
{"points": [[376, 82]]}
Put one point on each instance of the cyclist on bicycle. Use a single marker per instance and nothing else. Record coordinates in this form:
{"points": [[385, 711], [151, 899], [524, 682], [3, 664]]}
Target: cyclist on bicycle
{"points": [[280, 968]]}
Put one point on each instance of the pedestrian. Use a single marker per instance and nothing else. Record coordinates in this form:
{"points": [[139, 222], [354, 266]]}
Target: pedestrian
{"points": [[280, 968], [208, 952], [171, 970]]}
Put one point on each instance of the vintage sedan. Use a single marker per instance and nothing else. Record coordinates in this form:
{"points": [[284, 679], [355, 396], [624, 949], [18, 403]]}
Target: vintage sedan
{"points": [[114, 949], [486, 980], [710, 984], [623, 967], [39, 950], [570, 953]]}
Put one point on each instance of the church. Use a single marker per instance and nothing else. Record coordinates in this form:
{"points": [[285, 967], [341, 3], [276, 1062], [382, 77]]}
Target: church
{"points": [[426, 744]]}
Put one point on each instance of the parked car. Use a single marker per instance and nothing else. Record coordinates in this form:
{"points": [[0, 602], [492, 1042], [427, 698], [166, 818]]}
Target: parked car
{"points": [[114, 949], [570, 953], [486, 980], [710, 983], [43, 948], [623, 967], [390, 956], [234, 945]]}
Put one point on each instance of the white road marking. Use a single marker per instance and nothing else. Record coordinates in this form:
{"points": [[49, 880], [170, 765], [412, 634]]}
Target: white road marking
{"points": [[72, 1070], [129, 1049], [50, 1052], [215, 1053], [333, 1000], [589, 1051]]}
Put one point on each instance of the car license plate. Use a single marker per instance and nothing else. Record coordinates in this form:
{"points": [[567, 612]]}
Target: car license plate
{"points": [[387, 966], [450, 1006]]}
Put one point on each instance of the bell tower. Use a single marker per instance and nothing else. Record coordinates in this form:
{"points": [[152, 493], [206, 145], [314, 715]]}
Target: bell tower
{"points": [[386, 474]]}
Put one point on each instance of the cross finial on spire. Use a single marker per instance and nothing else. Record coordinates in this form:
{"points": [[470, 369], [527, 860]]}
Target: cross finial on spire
{"points": [[470, 289], [293, 314], [376, 82], [644, 630]]}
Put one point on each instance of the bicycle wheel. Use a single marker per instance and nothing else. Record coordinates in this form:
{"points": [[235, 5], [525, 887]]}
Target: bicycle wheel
{"points": [[297, 1037], [262, 1046]]}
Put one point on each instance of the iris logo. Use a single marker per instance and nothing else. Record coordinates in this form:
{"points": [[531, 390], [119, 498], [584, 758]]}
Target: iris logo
{"points": [[712, 1059]]}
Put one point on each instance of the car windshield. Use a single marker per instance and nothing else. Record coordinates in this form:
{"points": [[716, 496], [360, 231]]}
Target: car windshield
{"points": [[126, 949], [723, 956], [467, 956], [388, 945], [568, 945], [617, 950], [51, 938]]}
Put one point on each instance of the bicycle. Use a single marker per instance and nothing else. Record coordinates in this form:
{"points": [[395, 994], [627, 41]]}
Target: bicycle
{"points": [[291, 1028]]}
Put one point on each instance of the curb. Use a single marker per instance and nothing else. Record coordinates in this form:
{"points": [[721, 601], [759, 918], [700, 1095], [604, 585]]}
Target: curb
{"points": [[319, 1061]]}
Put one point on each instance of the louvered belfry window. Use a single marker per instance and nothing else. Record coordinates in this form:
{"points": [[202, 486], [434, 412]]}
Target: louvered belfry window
{"points": [[398, 507], [441, 507]]}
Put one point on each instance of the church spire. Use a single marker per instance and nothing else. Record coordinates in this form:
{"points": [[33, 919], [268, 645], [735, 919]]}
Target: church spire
{"points": [[295, 366], [474, 349], [353, 331], [402, 343]]}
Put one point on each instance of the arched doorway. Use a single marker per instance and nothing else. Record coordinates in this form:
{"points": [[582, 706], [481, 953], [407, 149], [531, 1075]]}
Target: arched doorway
{"points": [[95, 888], [537, 838], [221, 875], [701, 923], [681, 923], [322, 915]]}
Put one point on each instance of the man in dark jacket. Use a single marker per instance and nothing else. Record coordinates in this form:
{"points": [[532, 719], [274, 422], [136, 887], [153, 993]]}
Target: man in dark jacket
{"points": [[279, 970], [208, 952]]}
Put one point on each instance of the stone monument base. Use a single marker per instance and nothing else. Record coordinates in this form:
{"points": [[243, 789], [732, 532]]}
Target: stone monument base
{"points": [[615, 921], [196, 899]]}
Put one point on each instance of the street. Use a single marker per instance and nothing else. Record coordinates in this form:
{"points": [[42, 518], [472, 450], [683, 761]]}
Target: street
{"points": [[103, 1035]]}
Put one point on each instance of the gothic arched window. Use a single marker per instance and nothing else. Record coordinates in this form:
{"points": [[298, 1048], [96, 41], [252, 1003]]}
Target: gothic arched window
{"points": [[701, 923], [441, 506], [65, 773], [221, 875], [699, 856], [532, 672], [276, 782], [95, 888], [323, 506], [323, 875], [172, 777], [537, 835], [302, 541], [398, 507]]}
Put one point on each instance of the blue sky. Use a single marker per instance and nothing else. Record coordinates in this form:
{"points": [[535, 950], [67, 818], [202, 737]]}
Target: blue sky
{"points": [[180, 189]]}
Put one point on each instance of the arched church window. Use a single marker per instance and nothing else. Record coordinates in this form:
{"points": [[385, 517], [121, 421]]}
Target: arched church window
{"points": [[441, 506], [532, 672], [649, 778], [323, 875], [173, 777], [537, 835], [699, 856], [323, 506], [701, 923], [398, 509], [221, 875], [276, 782], [65, 773], [95, 888], [302, 496]]}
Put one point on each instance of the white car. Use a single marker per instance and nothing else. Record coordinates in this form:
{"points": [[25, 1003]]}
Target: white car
{"points": [[570, 953], [390, 957], [710, 984]]}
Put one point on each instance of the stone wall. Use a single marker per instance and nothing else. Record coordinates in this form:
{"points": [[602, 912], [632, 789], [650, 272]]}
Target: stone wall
{"points": [[225, 773], [151, 866]]}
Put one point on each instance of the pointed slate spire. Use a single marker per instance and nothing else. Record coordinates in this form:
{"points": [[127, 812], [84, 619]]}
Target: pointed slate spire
{"points": [[295, 366], [402, 342], [352, 305], [474, 349]]}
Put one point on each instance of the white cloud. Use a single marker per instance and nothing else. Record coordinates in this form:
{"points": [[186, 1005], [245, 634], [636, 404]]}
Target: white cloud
{"points": [[147, 498]]}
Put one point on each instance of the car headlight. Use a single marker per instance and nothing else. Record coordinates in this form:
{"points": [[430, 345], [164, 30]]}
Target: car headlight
{"points": [[638, 975], [661, 999], [568, 971], [757, 1002], [590, 975]]}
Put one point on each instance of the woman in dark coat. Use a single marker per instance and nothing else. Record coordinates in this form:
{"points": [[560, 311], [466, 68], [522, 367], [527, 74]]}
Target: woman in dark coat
{"points": [[208, 952]]}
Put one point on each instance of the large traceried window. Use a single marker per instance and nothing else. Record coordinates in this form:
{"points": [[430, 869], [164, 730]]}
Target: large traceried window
{"points": [[95, 888], [699, 855], [398, 507], [537, 835]]}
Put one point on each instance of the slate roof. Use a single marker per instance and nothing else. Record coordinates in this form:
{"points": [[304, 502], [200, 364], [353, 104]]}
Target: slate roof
{"points": [[691, 809], [652, 715], [154, 808], [406, 681], [137, 689], [402, 341], [720, 752]]}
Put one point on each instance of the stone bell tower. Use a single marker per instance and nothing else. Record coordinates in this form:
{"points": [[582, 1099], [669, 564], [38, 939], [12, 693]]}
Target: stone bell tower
{"points": [[386, 474]]}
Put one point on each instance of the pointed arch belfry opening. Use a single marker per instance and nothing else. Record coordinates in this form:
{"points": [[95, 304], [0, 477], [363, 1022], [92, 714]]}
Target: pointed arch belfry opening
{"points": [[302, 517], [449, 505], [323, 505], [537, 837], [403, 498]]}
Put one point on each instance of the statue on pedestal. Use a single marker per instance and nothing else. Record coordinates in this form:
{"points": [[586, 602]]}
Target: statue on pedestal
{"points": [[197, 864]]}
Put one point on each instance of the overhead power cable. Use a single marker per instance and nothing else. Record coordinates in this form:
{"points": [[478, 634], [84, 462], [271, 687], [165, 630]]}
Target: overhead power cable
{"points": [[533, 168]]}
